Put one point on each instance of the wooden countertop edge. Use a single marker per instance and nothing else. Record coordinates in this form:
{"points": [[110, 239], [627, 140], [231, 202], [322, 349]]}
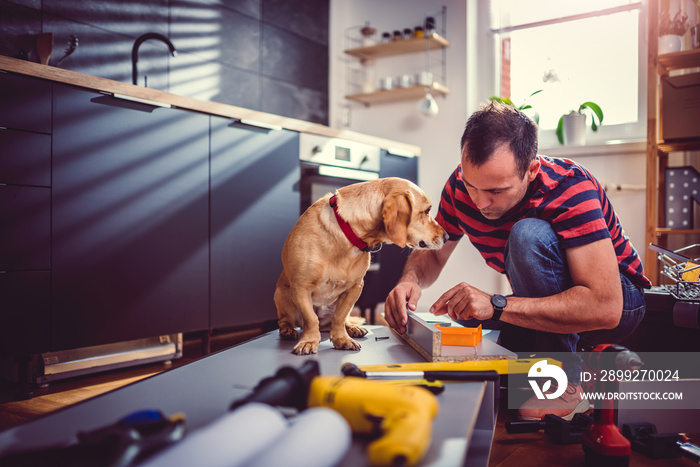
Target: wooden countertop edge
{"points": [[96, 83]]}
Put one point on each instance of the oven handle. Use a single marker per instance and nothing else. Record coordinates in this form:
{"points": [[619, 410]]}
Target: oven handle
{"points": [[350, 174]]}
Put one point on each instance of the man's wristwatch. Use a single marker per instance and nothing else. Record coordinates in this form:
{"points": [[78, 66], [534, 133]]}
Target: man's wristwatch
{"points": [[499, 302]]}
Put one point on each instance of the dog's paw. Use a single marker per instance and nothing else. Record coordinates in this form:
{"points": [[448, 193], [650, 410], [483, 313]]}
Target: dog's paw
{"points": [[355, 330], [345, 343], [289, 334], [306, 348]]}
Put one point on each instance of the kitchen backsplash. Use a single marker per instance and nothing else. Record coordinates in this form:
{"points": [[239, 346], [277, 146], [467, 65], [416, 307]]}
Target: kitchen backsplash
{"points": [[267, 55]]}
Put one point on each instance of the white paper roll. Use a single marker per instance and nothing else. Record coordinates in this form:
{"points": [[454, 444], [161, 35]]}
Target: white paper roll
{"points": [[231, 440], [317, 437]]}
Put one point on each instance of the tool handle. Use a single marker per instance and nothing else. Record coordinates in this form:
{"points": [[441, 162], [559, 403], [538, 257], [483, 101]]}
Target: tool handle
{"points": [[289, 387], [522, 426], [461, 375]]}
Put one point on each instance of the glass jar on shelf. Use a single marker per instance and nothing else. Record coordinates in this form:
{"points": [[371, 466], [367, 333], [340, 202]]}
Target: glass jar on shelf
{"points": [[369, 79], [368, 35]]}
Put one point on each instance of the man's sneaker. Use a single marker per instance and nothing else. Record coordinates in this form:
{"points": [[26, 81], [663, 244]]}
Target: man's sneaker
{"points": [[565, 406]]}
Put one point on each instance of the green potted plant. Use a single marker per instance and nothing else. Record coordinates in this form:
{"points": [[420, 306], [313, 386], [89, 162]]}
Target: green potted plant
{"points": [[572, 125], [523, 106]]}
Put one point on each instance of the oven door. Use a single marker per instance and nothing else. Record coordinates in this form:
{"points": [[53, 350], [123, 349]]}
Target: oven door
{"points": [[317, 180]]}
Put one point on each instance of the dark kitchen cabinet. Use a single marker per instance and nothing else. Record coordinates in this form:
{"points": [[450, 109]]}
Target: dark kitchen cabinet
{"points": [[129, 220], [25, 215], [25, 228], [25, 301], [254, 205], [25, 157], [25, 103]]}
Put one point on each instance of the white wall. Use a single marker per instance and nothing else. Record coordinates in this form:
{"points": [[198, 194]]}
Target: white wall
{"points": [[437, 136], [471, 81]]}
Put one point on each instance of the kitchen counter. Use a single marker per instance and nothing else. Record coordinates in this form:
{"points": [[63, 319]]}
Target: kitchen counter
{"points": [[213, 108], [204, 389]]}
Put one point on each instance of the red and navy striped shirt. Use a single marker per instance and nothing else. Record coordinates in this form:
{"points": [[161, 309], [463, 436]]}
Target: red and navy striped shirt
{"points": [[564, 194]]}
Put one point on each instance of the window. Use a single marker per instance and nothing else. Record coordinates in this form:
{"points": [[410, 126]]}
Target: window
{"points": [[574, 52]]}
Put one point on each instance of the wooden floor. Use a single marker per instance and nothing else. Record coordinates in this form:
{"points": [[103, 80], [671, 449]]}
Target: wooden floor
{"points": [[532, 449]]}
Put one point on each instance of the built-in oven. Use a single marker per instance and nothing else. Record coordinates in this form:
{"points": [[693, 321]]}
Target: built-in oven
{"points": [[331, 163]]}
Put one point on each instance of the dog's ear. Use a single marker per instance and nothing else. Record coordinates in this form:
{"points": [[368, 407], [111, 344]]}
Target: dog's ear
{"points": [[396, 213]]}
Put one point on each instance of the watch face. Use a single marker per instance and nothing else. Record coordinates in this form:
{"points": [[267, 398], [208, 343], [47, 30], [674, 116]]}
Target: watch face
{"points": [[499, 301]]}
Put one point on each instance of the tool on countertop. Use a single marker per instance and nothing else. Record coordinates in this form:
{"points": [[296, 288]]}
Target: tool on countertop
{"points": [[561, 431], [401, 415], [501, 366], [459, 336], [350, 369], [603, 442], [121, 444], [449, 342]]}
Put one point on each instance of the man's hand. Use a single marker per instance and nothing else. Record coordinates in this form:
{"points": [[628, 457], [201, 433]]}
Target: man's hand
{"points": [[421, 270], [464, 302], [405, 294]]}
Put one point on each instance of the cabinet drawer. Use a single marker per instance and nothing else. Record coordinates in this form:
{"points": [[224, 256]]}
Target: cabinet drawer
{"points": [[25, 158], [24, 228], [24, 312], [26, 103]]}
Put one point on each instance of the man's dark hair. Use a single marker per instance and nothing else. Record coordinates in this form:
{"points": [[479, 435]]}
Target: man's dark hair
{"points": [[493, 125]]}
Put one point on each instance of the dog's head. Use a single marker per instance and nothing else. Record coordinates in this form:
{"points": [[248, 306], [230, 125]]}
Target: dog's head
{"points": [[407, 219]]}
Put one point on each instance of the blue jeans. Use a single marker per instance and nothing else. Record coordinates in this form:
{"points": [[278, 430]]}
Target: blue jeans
{"points": [[536, 267]]}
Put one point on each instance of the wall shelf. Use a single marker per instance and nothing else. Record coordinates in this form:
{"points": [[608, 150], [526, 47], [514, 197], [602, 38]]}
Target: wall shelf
{"points": [[658, 149], [676, 146], [413, 92], [361, 60], [405, 46], [679, 60]]}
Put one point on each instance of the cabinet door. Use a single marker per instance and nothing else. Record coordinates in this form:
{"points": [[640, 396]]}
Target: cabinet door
{"points": [[254, 205], [25, 213], [130, 220], [26, 103], [25, 158], [24, 312]]}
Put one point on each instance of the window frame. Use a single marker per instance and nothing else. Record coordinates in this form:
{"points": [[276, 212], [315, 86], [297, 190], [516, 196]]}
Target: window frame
{"points": [[633, 131]]}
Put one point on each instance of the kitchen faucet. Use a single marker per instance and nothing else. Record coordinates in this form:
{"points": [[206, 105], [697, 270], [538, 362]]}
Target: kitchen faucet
{"points": [[135, 50]]}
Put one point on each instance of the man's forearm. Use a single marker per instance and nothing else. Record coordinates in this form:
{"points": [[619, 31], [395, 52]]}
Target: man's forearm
{"points": [[422, 267], [574, 310]]}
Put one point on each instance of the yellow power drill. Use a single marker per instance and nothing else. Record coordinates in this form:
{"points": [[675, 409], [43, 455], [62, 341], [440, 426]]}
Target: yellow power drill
{"points": [[402, 416], [399, 417]]}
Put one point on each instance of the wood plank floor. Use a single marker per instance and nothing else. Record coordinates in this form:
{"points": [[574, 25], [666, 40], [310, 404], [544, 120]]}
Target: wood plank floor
{"points": [[532, 449]]}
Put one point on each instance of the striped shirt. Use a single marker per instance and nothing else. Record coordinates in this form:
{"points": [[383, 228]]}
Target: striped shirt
{"points": [[564, 194]]}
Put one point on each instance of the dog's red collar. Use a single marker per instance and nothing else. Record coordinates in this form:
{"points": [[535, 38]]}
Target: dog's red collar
{"points": [[345, 227]]}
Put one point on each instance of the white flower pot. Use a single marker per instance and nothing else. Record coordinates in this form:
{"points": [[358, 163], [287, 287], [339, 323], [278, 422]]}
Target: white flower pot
{"points": [[670, 43], [574, 129]]}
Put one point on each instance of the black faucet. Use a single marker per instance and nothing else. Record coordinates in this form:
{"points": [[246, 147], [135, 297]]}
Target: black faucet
{"points": [[135, 50]]}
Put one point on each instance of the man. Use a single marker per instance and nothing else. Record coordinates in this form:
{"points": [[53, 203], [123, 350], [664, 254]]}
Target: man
{"points": [[547, 224]]}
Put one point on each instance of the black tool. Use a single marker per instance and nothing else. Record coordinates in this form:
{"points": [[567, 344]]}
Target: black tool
{"points": [[561, 431], [121, 444], [289, 387], [647, 441]]}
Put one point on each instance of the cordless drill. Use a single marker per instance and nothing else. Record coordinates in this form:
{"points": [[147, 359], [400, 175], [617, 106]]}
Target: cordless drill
{"points": [[603, 442], [401, 416]]}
